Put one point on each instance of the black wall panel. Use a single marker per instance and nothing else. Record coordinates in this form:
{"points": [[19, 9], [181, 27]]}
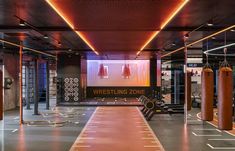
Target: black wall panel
{"points": [[68, 78]]}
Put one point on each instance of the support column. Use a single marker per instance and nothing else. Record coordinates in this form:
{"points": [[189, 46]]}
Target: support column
{"points": [[159, 76], [47, 86], [20, 83], [1, 95], [27, 86], [153, 76], [36, 87], [188, 90]]}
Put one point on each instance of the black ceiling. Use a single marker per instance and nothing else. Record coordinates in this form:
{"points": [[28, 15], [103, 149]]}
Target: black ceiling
{"points": [[42, 19]]}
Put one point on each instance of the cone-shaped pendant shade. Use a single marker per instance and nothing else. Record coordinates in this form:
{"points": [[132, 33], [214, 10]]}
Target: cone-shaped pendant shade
{"points": [[101, 72], [126, 71]]}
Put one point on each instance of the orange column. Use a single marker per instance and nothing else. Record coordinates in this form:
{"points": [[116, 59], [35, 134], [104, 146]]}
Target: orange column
{"points": [[20, 84], [1, 95], [207, 94], [225, 97]]}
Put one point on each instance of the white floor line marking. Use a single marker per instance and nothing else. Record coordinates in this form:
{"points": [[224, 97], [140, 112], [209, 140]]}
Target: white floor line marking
{"points": [[204, 135], [208, 130], [83, 130], [6, 129], [210, 146], [222, 139], [224, 131], [150, 129], [14, 130], [220, 148], [215, 125], [194, 120]]}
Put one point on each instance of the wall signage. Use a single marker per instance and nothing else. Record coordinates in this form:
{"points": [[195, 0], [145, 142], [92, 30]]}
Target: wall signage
{"points": [[117, 91]]}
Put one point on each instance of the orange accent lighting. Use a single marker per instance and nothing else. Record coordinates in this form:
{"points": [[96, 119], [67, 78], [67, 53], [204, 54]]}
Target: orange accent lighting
{"points": [[200, 40], [59, 12], [164, 25]]}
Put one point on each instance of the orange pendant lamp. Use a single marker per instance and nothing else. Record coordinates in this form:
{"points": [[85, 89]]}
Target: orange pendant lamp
{"points": [[126, 73], [101, 72]]}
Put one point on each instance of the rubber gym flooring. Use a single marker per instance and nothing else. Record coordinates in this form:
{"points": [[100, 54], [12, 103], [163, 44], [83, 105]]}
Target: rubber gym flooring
{"points": [[117, 129], [109, 129]]}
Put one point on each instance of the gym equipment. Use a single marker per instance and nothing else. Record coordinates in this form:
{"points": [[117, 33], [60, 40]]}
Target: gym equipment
{"points": [[155, 106], [225, 95], [8, 82], [207, 81]]}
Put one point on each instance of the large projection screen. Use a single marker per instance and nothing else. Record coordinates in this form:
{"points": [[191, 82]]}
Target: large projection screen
{"points": [[139, 73]]}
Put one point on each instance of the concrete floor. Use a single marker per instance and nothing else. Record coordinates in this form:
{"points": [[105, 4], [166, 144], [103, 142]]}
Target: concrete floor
{"points": [[170, 130], [194, 136], [42, 138]]}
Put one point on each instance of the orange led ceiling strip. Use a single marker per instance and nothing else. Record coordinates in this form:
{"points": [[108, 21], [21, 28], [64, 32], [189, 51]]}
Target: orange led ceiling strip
{"points": [[163, 25], [199, 40], [71, 26]]}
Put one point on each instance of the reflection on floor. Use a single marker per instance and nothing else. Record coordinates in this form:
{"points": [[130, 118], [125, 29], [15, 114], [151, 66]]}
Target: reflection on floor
{"points": [[215, 122], [112, 126], [195, 136], [41, 136], [117, 129], [106, 102]]}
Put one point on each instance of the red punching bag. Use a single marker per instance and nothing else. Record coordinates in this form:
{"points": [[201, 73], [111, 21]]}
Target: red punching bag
{"points": [[207, 83], [225, 97]]}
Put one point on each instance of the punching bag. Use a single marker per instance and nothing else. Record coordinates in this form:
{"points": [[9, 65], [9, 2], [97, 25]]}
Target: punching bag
{"points": [[225, 98], [1, 95], [188, 91], [207, 84]]}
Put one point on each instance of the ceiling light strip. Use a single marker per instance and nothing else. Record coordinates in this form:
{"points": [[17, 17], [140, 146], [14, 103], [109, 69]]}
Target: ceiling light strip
{"points": [[199, 40], [27, 48], [163, 25], [71, 26], [217, 48]]}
